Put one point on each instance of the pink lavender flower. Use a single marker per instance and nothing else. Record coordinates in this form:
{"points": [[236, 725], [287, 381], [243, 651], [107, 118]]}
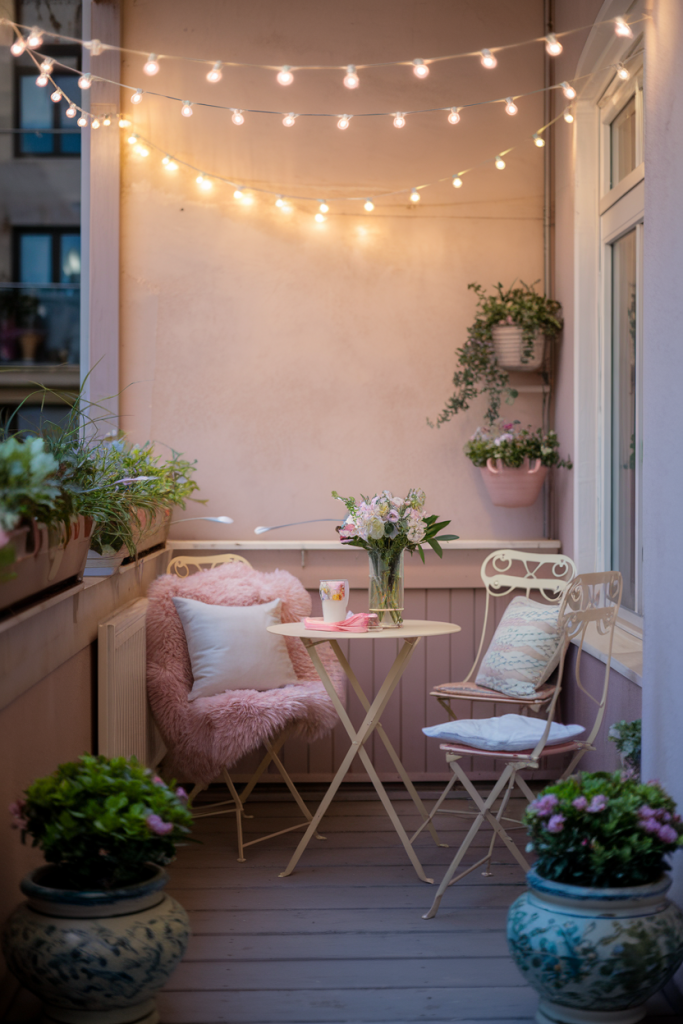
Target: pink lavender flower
{"points": [[393, 516], [156, 824], [544, 805], [556, 823], [181, 794], [580, 803], [158, 781], [668, 834], [651, 825], [598, 803], [646, 812], [17, 809]]}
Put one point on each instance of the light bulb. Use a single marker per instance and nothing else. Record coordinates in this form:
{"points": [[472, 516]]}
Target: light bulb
{"points": [[18, 47], [124, 122], [538, 140], [568, 116], [95, 47], [140, 150], [186, 109], [324, 208], [47, 65], [284, 75], [344, 121], [553, 46], [622, 28], [106, 120], [82, 121], [568, 90], [203, 182], [320, 218], [34, 39], [137, 96], [215, 74], [289, 119], [623, 72], [399, 121], [237, 194], [85, 81], [457, 181], [500, 163], [42, 80], [368, 205], [132, 139], [71, 110], [488, 59], [279, 202], [169, 164], [95, 123], [510, 106], [151, 65], [351, 79], [238, 117], [420, 69], [415, 196], [56, 96], [454, 116]]}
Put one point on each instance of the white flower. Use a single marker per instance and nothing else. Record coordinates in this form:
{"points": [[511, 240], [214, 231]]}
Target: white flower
{"points": [[375, 528]]}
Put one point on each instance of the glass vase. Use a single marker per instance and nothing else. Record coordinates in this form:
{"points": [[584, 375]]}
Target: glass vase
{"points": [[386, 588]]}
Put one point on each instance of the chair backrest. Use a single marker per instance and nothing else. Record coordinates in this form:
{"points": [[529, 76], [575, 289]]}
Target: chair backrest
{"points": [[505, 571], [183, 565]]}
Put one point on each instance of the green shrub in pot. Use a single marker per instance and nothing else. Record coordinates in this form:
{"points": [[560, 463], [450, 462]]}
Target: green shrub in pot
{"points": [[513, 446]]}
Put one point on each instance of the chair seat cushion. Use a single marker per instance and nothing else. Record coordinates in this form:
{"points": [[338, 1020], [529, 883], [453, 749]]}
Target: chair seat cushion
{"points": [[231, 649], [525, 649], [506, 732], [476, 692]]}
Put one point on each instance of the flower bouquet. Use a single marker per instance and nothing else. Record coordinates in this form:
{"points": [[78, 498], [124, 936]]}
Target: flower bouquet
{"points": [[387, 526]]}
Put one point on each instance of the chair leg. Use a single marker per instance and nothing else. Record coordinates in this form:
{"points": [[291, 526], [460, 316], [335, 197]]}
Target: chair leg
{"points": [[503, 804], [196, 790], [291, 787], [435, 809], [239, 811]]}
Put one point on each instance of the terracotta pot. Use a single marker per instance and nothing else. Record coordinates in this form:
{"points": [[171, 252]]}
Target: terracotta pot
{"points": [[508, 346], [513, 487], [44, 558]]}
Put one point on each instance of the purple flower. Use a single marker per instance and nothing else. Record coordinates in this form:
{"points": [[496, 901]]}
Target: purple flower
{"points": [[393, 516], [598, 803], [650, 825], [580, 803], [646, 812], [181, 794], [556, 823], [16, 809], [544, 805], [162, 828], [158, 781], [668, 834]]}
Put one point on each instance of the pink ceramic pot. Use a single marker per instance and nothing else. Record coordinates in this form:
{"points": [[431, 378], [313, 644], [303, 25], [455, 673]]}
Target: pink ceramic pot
{"points": [[513, 487]]}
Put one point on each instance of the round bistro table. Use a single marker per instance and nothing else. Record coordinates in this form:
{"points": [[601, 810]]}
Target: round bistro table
{"points": [[411, 632]]}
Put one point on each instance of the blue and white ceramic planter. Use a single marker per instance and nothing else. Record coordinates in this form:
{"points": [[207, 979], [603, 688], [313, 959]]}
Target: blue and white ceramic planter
{"points": [[96, 957], [595, 955]]}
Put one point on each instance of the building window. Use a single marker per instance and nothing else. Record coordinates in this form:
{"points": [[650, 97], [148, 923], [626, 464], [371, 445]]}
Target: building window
{"points": [[44, 128]]}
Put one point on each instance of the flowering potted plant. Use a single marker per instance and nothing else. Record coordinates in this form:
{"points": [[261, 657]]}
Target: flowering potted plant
{"points": [[387, 527], [97, 934], [514, 463], [595, 934]]}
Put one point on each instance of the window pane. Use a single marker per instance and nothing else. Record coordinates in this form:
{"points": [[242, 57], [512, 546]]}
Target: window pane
{"points": [[68, 143], [35, 259], [70, 259], [623, 142], [35, 111], [625, 444]]}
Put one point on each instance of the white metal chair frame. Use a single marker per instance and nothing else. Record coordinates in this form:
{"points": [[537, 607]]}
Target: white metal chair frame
{"points": [[182, 566], [590, 598], [499, 581]]}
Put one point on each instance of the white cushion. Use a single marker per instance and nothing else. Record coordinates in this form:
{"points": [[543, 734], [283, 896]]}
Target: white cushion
{"points": [[231, 649], [508, 732], [525, 650]]}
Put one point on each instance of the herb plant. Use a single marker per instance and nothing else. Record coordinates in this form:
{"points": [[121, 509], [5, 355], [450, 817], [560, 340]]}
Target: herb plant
{"points": [[602, 830], [627, 739], [103, 822], [29, 486], [513, 446]]}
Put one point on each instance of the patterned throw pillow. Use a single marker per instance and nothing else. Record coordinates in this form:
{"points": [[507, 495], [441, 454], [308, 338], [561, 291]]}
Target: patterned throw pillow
{"points": [[525, 649]]}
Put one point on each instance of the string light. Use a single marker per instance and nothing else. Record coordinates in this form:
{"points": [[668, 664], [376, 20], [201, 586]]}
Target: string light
{"points": [[454, 116], [457, 181], [568, 90], [538, 140], [420, 69], [368, 205], [623, 72], [137, 96], [344, 121], [351, 79], [289, 119], [622, 28], [42, 80], [204, 182], [320, 218], [500, 163], [47, 65], [237, 194], [71, 110], [324, 208], [284, 75], [95, 123], [415, 196], [215, 74], [552, 45], [399, 121], [151, 65], [238, 117], [56, 96], [124, 122], [186, 109], [140, 150], [34, 39], [279, 202], [95, 47], [132, 139], [510, 106], [487, 59], [85, 81], [568, 116], [82, 121]]}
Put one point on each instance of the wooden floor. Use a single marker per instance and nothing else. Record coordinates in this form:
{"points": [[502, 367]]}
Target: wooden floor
{"points": [[342, 939]]}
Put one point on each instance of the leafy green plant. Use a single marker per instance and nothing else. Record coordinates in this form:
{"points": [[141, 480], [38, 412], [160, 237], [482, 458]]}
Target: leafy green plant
{"points": [[627, 739], [477, 371], [603, 830], [513, 446], [103, 822], [29, 484]]}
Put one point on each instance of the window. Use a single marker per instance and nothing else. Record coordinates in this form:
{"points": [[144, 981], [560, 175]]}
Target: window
{"points": [[47, 256], [53, 134]]}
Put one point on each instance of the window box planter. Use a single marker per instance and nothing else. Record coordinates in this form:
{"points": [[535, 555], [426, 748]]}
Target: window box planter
{"points": [[509, 345], [45, 558], [147, 536], [513, 487]]}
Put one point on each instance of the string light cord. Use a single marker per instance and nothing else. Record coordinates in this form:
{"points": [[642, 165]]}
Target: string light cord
{"points": [[96, 47]]}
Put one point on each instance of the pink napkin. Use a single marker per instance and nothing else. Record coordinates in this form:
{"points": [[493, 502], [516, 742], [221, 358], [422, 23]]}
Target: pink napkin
{"points": [[353, 624]]}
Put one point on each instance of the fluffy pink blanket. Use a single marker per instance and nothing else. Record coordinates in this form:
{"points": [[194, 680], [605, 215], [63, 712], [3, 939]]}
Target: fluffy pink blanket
{"points": [[205, 734]]}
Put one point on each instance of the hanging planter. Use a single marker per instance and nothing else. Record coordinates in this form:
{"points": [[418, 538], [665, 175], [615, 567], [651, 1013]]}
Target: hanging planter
{"points": [[515, 463], [515, 353], [514, 487]]}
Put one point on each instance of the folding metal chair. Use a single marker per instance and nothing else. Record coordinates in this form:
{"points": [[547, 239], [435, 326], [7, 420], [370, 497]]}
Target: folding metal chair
{"points": [[590, 601]]}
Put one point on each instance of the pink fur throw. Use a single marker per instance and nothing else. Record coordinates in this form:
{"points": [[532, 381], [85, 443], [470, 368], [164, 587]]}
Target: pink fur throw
{"points": [[205, 734]]}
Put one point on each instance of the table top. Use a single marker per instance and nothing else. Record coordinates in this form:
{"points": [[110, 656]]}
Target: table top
{"points": [[410, 628]]}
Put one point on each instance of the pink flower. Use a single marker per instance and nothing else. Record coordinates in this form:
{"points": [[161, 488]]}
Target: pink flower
{"points": [[156, 824], [16, 809], [393, 516], [580, 803], [668, 834], [598, 803], [158, 781], [181, 794], [584, 842], [556, 823], [544, 805]]}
